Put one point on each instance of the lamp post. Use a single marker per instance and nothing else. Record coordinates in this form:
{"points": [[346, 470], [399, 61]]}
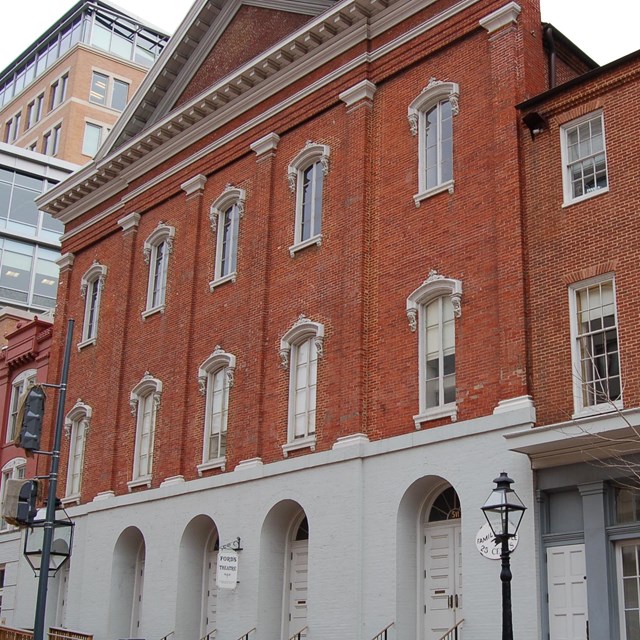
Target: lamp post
{"points": [[503, 510]]}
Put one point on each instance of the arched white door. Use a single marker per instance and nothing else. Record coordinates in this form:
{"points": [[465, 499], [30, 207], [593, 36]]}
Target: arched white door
{"points": [[442, 566], [297, 583]]}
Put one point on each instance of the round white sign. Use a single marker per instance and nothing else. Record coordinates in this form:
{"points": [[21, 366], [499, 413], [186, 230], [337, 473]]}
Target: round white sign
{"points": [[487, 545]]}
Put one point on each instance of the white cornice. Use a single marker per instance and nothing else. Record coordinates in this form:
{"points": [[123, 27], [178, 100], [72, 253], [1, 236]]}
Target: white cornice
{"points": [[364, 90], [501, 17], [298, 69]]}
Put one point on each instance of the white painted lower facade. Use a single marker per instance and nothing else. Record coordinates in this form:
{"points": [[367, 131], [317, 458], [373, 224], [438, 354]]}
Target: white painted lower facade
{"points": [[366, 504]]}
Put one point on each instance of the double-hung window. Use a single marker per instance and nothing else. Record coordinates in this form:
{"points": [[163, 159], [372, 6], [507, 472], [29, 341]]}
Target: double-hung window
{"points": [[300, 349], [431, 120], [14, 470], [19, 385], [92, 284], [144, 401], [77, 425], [58, 92], [432, 309], [157, 248], [215, 377], [584, 158], [596, 355], [306, 175], [225, 216]]}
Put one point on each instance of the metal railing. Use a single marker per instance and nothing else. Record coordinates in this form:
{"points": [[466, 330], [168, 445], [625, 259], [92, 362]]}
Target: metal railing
{"points": [[299, 636], [245, 636], [383, 635], [453, 633], [169, 635], [209, 636]]}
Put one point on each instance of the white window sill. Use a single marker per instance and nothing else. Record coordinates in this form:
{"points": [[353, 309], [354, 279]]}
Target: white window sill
{"points": [[597, 409], [298, 246], [230, 277], [72, 499], [150, 312], [586, 196], [139, 482], [216, 463], [424, 195], [309, 442], [86, 343], [445, 411]]}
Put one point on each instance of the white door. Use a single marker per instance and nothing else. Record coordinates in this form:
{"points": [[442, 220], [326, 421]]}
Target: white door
{"points": [[137, 595], [442, 577], [210, 592], [299, 562], [567, 588], [63, 590], [628, 560]]}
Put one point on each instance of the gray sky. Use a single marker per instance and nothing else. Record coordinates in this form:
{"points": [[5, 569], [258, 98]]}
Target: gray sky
{"points": [[603, 34]]}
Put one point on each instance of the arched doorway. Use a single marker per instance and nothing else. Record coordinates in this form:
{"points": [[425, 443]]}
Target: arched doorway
{"points": [[127, 584], [196, 581], [442, 557], [297, 576]]}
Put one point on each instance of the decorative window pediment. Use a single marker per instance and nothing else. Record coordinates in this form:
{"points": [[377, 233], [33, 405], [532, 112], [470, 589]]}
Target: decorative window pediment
{"points": [[96, 272], [301, 329], [162, 233], [219, 359], [433, 287], [91, 287], [148, 385], [79, 411], [312, 152], [230, 196], [433, 93]]}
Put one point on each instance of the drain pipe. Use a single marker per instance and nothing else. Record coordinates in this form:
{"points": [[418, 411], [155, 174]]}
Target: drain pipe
{"points": [[548, 37]]}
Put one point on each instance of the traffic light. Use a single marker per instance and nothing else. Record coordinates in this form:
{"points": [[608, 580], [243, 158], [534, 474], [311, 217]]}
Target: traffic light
{"points": [[32, 412], [19, 507]]}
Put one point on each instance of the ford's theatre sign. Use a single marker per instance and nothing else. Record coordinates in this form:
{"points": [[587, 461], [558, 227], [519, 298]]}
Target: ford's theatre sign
{"points": [[487, 545], [227, 570]]}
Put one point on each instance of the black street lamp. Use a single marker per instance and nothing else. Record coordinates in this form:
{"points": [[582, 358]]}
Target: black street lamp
{"points": [[503, 510]]}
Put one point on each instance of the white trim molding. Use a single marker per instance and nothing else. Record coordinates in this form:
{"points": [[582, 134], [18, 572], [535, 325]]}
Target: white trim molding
{"points": [[162, 233], [364, 90], [501, 17], [194, 185], [265, 145], [435, 91], [302, 328], [129, 222], [219, 359], [434, 286]]}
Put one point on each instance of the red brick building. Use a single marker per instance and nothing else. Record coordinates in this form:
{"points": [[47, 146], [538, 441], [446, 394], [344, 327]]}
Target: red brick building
{"points": [[305, 292]]}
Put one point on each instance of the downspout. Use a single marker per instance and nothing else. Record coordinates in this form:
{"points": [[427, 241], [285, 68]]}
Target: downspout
{"points": [[548, 37]]}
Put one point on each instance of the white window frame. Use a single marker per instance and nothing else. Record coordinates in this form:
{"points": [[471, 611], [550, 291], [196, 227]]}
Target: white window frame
{"points": [[15, 469], [77, 423], [312, 154], [569, 198], [219, 363], [18, 386], [148, 390], [302, 331], [58, 91], [231, 197], [104, 132], [162, 236], [434, 94], [91, 286], [580, 408], [434, 287]]}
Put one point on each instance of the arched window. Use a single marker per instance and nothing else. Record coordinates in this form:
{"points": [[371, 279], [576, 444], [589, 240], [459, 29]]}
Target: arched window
{"points": [[215, 377], [431, 310], [144, 401], [431, 119], [19, 385], [76, 425], [225, 216], [91, 286], [300, 349], [157, 248], [306, 180]]}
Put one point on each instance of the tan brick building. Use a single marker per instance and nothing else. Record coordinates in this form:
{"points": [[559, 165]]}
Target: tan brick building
{"points": [[63, 94]]}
